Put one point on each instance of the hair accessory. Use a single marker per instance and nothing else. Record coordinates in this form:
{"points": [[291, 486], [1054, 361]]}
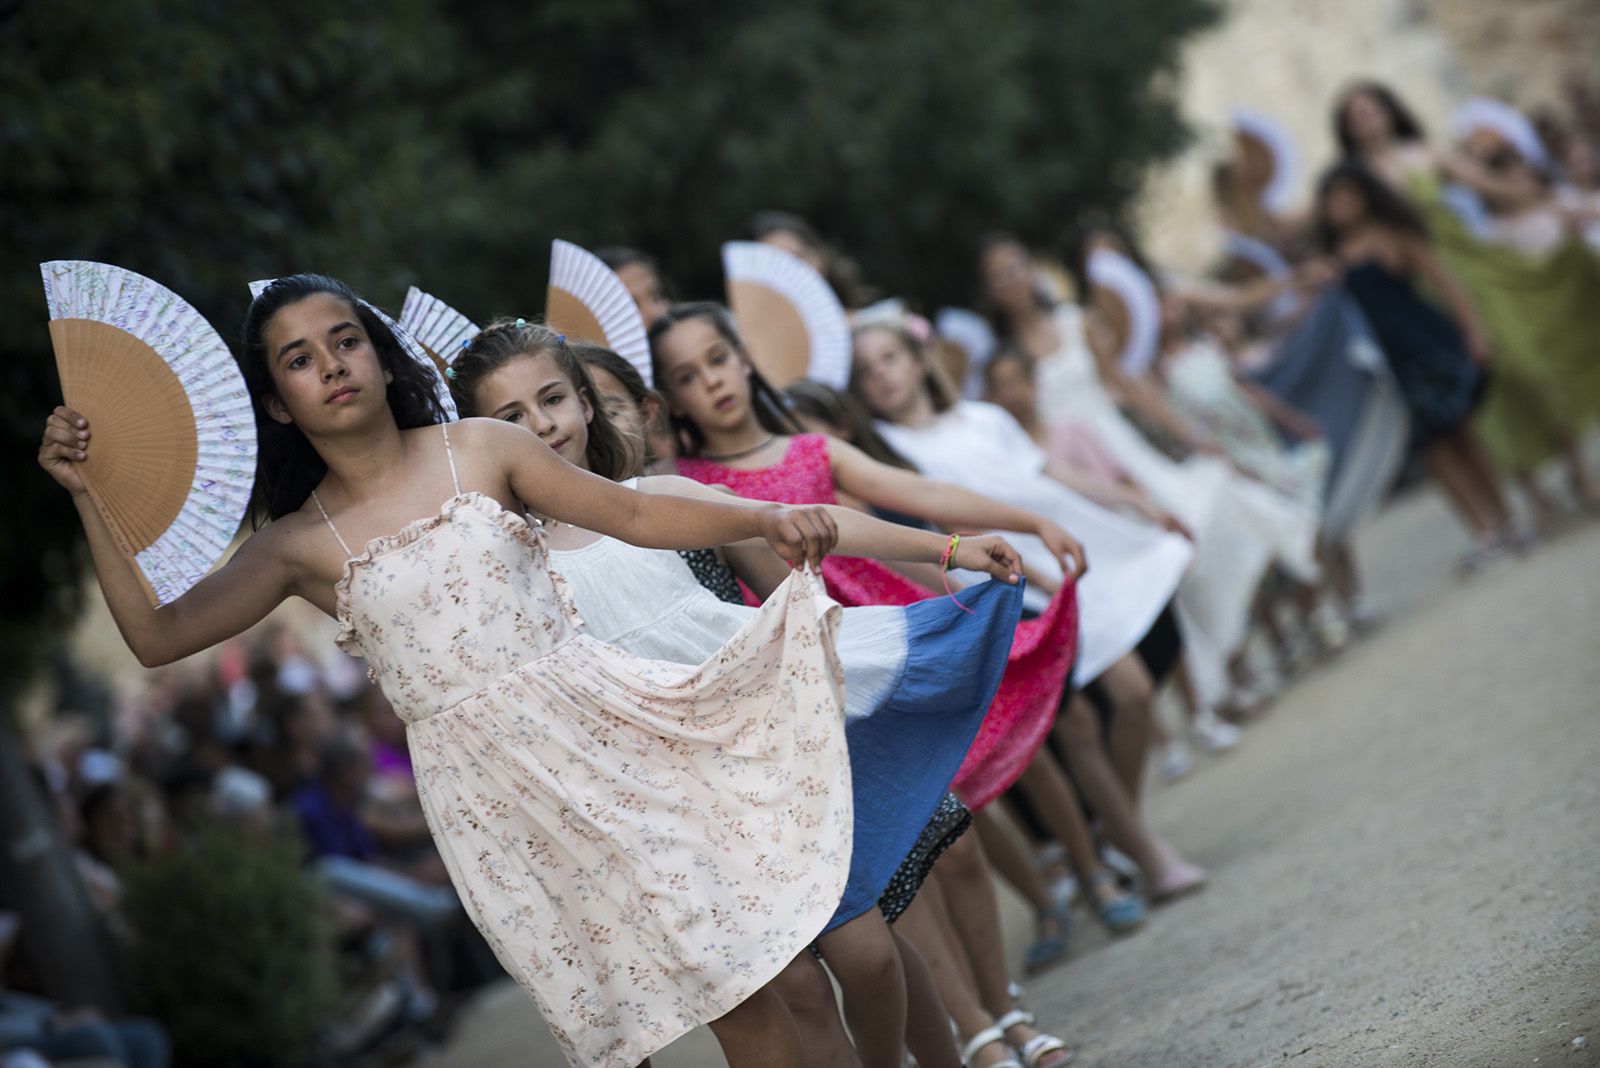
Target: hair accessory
{"points": [[945, 559], [450, 373], [561, 339], [790, 319], [404, 336], [174, 449], [466, 343], [586, 301]]}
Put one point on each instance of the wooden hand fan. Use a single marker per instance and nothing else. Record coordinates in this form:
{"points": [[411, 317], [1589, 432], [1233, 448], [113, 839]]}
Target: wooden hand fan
{"points": [[1131, 302], [1270, 152], [787, 314], [441, 330], [586, 301], [174, 449], [441, 388]]}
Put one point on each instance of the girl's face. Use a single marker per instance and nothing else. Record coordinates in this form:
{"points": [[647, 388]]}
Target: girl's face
{"points": [[1366, 118], [1005, 274], [644, 286], [793, 243], [534, 392], [1343, 205], [1011, 387], [326, 375], [706, 380], [618, 404], [888, 375]]}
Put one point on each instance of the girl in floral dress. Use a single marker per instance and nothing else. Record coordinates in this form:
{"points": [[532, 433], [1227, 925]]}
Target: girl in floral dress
{"points": [[644, 845]]}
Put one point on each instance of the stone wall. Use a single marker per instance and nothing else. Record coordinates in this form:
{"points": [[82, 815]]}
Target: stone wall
{"points": [[1289, 58]]}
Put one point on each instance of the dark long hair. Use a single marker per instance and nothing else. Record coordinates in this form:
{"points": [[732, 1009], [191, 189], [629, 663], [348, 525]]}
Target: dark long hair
{"points": [[1095, 225], [597, 356], [997, 320], [771, 410], [1385, 206], [611, 453], [940, 390], [849, 416], [1401, 119], [287, 467]]}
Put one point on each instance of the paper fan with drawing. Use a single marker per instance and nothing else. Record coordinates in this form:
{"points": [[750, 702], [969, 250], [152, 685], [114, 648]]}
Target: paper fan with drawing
{"points": [[436, 326], [586, 301], [1134, 307], [1270, 153], [787, 314], [413, 348], [173, 456]]}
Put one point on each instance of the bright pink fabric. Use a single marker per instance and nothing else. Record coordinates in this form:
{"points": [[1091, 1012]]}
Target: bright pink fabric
{"points": [[1024, 708]]}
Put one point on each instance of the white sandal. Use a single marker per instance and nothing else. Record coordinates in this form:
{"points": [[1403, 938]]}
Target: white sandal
{"points": [[1037, 1048], [988, 1036]]}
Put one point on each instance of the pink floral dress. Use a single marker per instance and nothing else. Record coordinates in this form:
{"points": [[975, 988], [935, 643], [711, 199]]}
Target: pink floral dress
{"points": [[1042, 651], [644, 844]]}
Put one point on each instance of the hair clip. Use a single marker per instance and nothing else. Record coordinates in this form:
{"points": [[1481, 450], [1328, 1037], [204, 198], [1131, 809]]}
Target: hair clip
{"points": [[466, 343], [450, 373], [561, 339], [521, 323]]}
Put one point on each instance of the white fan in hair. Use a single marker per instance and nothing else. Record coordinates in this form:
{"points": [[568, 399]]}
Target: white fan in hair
{"points": [[174, 450], [787, 314], [436, 326], [1264, 134], [1135, 308], [413, 348], [586, 301]]}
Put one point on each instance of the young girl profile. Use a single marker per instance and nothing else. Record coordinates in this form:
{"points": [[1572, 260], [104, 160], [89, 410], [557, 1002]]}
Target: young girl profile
{"points": [[918, 680], [645, 846]]}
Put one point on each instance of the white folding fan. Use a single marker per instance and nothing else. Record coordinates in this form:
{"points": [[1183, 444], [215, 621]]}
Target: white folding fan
{"points": [[586, 301], [1270, 136], [436, 326], [1134, 302], [413, 348], [787, 314], [174, 449], [972, 333]]}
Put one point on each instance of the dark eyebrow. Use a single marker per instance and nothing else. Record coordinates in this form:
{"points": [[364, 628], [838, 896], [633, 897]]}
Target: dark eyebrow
{"points": [[301, 341], [498, 412]]}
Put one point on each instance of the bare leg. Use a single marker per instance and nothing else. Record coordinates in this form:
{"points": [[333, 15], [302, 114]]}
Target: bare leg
{"points": [[1007, 849], [759, 1033], [1448, 471], [1539, 503], [806, 992], [926, 926], [1486, 477], [928, 1034], [1132, 693], [862, 957], [1167, 872], [1050, 793]]}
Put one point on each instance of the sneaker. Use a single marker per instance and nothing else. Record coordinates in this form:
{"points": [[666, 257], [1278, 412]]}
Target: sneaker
{"points": [[1212, 734], [1176, 761]]}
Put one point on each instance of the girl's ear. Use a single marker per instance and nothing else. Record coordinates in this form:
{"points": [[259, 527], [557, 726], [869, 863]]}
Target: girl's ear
{"points": [[587, 405], [388, 378], [652, 411], [276, 410]]}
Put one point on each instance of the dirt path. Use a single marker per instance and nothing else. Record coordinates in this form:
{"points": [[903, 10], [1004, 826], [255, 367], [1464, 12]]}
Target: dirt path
{"points": [[1405, 854]]}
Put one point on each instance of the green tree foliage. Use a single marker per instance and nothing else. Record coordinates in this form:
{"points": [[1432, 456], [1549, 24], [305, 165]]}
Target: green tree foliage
{"points": [[232, 951], [208, 143]]}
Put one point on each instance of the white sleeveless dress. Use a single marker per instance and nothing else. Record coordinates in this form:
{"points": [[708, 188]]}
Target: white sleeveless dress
{"points": [[1241, 526], [644, 845]]}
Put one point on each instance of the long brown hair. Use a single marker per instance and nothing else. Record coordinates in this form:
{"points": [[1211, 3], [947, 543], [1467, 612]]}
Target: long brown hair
{"points": [[937, 384], [611, 453]]}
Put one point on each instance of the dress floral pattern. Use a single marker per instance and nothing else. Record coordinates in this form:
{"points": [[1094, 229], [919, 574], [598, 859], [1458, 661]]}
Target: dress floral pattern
{"points": [[644, 845], [1042, 651]]}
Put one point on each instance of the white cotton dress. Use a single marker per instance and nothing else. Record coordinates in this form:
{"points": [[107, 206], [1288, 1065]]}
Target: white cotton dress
{"points": [[1241, 526], [643, 844], [1134, 568]]}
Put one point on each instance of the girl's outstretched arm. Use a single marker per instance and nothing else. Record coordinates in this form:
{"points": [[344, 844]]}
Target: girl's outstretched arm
{"points": [[865, 535], [944, 503], [1443, 281], [228, 601], [548, 485]]}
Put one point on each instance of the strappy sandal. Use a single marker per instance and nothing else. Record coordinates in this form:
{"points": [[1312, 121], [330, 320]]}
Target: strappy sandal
{"points": [[1037, 1048], [1119, 914], [988, 1037], [1047, 950]]}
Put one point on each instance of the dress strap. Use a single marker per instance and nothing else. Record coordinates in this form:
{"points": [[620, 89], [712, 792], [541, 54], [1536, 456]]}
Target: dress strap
{"points": [[448, 455], [348, 554]]}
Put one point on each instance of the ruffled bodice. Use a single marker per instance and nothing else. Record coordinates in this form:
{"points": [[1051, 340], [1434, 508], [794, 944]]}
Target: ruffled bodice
{"points": [[450, 604]]}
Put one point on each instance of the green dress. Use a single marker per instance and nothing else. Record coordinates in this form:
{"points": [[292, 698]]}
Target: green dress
{"points": [[1543, 314]]}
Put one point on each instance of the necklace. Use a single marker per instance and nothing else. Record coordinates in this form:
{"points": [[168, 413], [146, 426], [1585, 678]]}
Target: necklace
{"points": [[742, 453]]}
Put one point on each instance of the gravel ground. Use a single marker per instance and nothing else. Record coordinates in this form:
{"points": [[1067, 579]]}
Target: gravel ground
{"points": [[1405, 853]]}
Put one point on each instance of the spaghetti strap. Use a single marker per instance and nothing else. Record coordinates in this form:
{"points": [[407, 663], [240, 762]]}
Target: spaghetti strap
{"points": [[451, 456], [348, 554]]}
